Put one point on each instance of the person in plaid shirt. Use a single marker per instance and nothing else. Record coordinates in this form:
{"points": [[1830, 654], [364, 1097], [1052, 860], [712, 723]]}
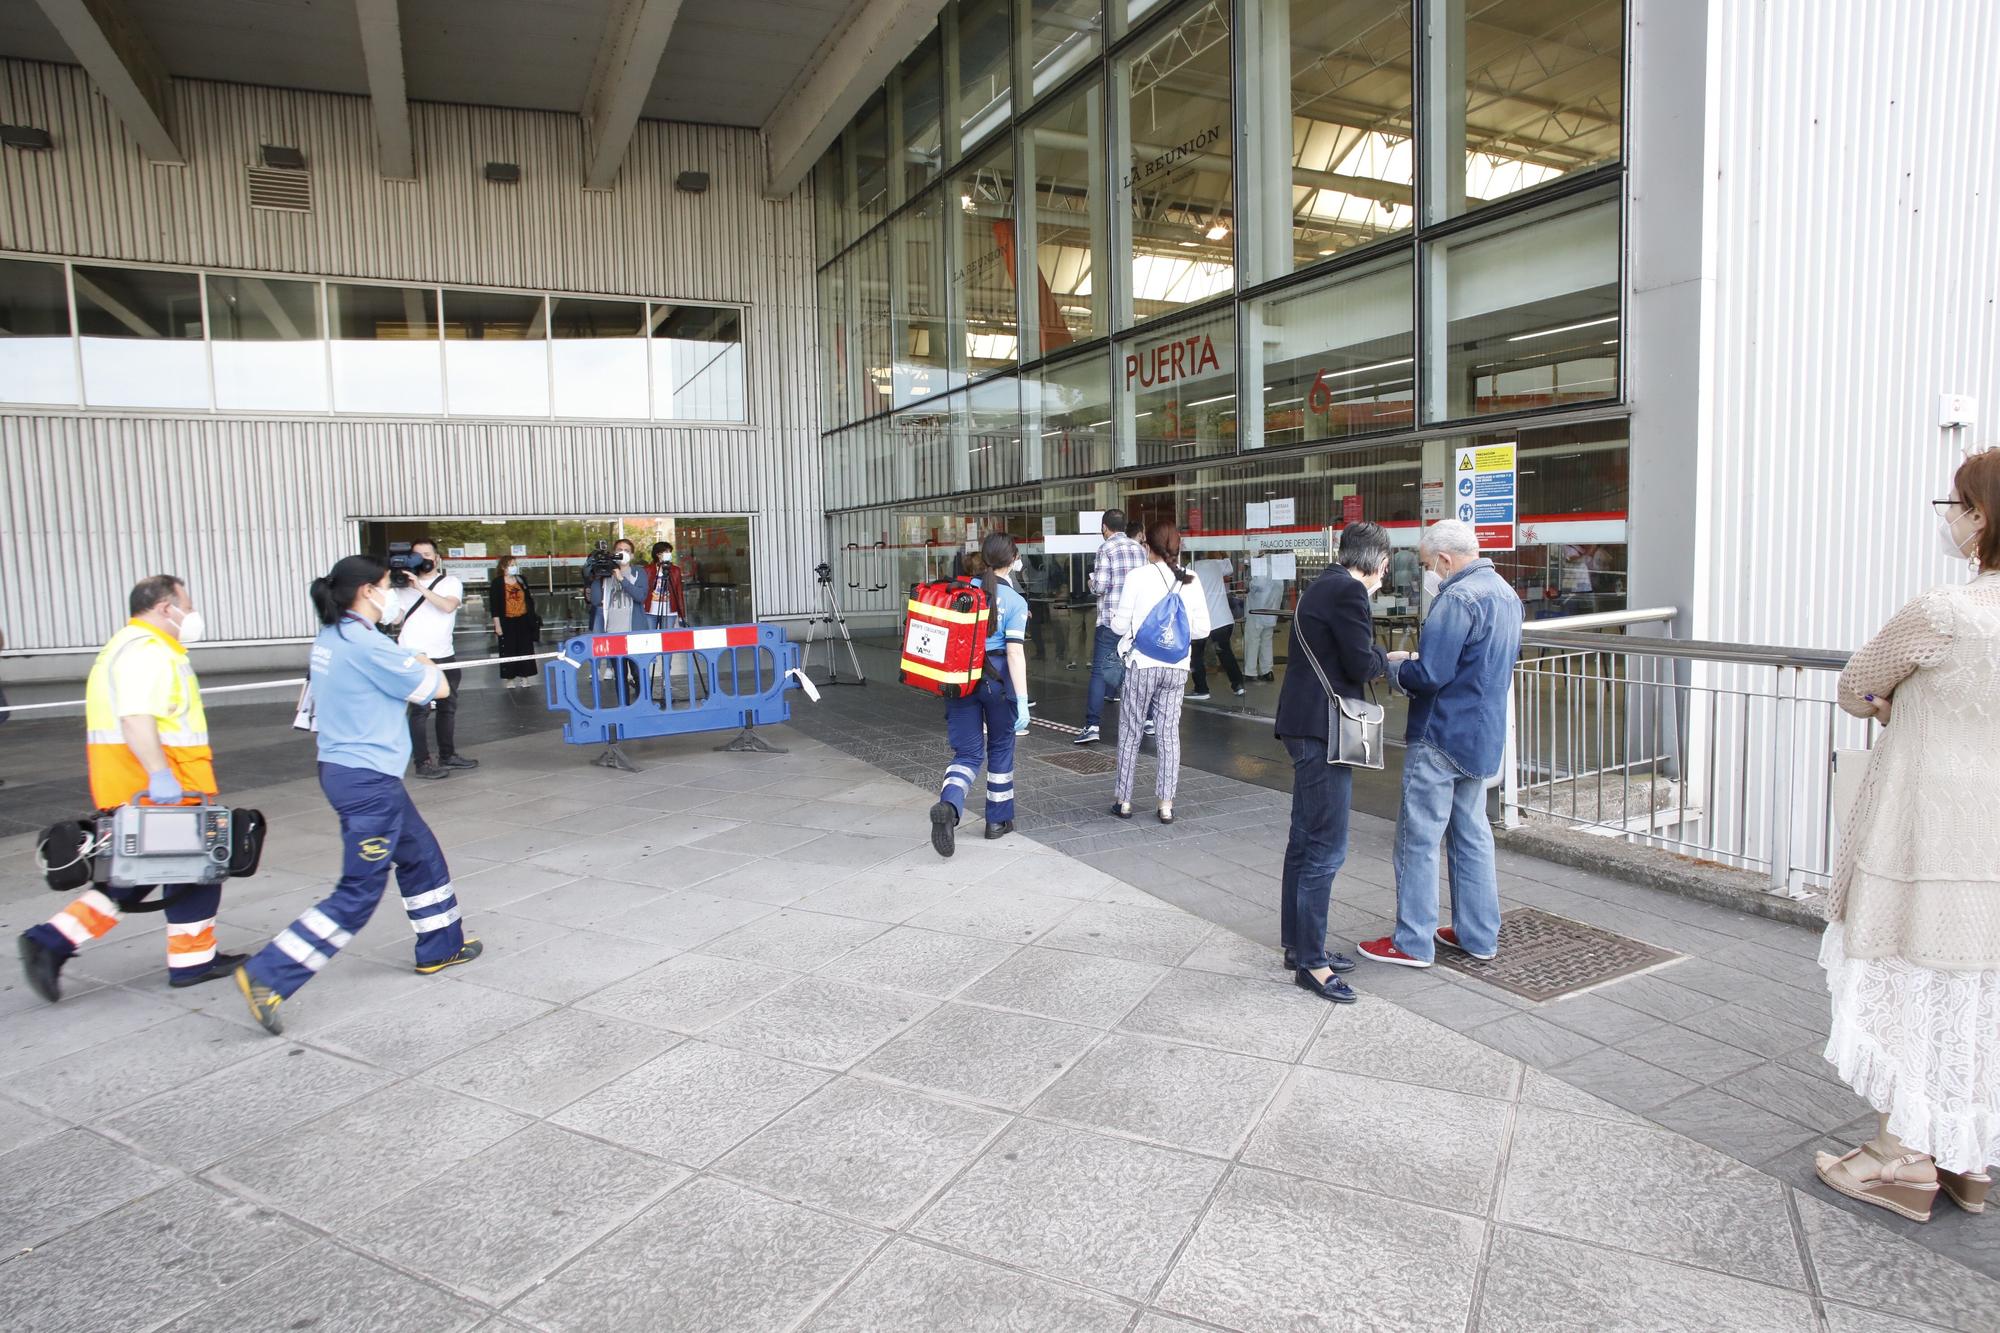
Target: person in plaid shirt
{"points": [[1116, 558]]}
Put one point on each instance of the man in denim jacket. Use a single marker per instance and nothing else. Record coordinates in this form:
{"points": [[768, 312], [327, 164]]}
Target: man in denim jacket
{"points": [[1457, 683]]}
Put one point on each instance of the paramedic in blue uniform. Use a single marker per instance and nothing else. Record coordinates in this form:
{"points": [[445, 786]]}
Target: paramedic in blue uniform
{"points": [[982, 725], [362, 682]]}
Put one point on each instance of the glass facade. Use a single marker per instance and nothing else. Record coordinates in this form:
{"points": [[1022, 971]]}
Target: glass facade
{"points": [[177, 339], [1173, 235]]}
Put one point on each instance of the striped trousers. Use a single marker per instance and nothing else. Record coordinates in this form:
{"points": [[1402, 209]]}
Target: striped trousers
{"points": [[1153, 692], [380, 831], [190, 913]]}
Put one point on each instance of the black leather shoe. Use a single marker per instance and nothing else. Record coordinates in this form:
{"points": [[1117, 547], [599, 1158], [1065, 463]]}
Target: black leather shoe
{"points": [[1000, 830], [1333, 988], [460, 761], [224, 966], [43, 966], [1123, 809], [944, 828]]}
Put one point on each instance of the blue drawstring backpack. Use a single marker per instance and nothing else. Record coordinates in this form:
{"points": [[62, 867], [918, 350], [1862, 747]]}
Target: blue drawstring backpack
{"points": [[1164, 635]]}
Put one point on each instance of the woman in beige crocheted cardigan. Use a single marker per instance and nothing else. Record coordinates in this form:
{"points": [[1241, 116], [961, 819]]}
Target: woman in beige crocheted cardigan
{"points": [[1912, 946]]}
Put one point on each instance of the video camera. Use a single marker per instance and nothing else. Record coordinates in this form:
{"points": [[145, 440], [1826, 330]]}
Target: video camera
{"points": [[406, 566], [600, 563]]}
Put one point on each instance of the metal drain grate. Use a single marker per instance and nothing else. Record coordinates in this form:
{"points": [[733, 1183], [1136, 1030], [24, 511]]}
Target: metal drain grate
{"points": [[1078, 762], [1543, 956]]}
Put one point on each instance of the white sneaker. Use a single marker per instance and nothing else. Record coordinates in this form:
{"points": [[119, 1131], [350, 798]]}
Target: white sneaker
{"points": [[1198, 697], [1239, 690], [1149, 728], [1087, 736]]}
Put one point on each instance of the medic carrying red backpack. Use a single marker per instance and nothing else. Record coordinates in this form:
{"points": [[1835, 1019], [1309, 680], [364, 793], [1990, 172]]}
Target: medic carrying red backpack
{"points": [[944, 648]]}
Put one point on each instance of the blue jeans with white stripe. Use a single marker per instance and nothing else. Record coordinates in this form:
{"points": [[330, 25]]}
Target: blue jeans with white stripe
{"points": [[380, 830], [981, 727]]}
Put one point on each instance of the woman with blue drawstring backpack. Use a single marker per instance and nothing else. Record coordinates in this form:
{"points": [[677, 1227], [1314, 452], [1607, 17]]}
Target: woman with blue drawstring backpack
{"points": [[1161, 612]]}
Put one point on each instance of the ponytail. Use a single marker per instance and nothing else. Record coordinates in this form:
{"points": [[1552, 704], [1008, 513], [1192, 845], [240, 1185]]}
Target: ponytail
{"points": [[997, 551], [1163, 539], [333, 596]]}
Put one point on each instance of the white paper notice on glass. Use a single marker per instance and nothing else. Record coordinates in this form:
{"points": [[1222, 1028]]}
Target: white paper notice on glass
{"points": [[1257, 515], [454, 553], [1260, 566], [1284, 564], [517, 550], [1048, 526], [1090, 522], [475, 550], [1284, 513]]}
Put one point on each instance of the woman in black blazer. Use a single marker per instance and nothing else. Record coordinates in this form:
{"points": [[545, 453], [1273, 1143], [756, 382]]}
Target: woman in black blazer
{"points": [[1335, 625]]}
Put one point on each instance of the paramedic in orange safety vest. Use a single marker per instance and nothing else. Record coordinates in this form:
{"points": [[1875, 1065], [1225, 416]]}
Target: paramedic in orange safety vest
{"points": [[148, 736], [982, 725]]}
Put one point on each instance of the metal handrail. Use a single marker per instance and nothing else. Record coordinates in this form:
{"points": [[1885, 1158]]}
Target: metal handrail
{"points": [[1689, 650], [1604, 619]]}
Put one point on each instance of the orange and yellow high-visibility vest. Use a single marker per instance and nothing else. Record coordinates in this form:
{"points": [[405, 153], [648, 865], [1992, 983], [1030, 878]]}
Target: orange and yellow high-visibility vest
{"points": [[144, 673]]}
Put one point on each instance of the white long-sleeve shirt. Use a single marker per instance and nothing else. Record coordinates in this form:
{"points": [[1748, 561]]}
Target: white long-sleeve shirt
{"points": [[1144, 590]]}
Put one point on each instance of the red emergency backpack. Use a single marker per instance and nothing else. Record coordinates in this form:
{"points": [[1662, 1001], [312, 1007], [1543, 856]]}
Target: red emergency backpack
{"points": [[944, 646]]}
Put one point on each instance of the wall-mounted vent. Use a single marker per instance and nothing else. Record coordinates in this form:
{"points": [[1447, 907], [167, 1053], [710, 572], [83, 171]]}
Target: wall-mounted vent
{"points": [[282, 191]]}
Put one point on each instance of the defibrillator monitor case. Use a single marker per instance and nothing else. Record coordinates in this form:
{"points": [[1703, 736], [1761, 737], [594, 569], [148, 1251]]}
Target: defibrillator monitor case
{"points": [[169, 844]]}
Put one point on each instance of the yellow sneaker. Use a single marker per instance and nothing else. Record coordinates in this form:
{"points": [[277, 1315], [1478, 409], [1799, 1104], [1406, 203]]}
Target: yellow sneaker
{"points": [[468, 951], [263, 1002]]}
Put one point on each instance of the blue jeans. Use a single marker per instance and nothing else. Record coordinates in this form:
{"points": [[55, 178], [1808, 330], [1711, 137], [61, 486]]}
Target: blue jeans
{"points": [[1441, 803], [1107, 673], [1316, 849]]}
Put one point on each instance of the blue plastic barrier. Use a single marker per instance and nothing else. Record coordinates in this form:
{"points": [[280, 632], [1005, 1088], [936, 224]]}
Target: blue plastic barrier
{"points": [[737, 677]]}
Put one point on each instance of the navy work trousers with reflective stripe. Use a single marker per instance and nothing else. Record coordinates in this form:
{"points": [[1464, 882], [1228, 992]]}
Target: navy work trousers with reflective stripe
{"points": [[981, 728], [380, 829]]}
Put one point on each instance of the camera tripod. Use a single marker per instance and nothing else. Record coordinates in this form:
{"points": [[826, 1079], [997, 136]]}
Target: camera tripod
{"points": [[836, 622]]}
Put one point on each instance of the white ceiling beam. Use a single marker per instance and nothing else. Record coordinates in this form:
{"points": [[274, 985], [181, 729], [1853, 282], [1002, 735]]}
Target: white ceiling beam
{"points": [[849, 67], [382, 53], [122, 61], [628, 60]]}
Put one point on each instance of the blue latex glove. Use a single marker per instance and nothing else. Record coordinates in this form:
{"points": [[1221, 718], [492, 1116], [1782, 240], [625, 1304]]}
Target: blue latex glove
{"points": [[1020, 717], [163, 788]]}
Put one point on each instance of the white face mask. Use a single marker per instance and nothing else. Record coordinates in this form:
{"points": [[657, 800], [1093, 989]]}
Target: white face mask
{"points": [[192, 627], [1432, 582], [381, 601], [1954, 545]]}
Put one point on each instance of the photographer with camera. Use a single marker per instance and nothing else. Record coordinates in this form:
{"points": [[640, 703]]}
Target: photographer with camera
{"points": [[429, 598], [360, 684], [146, 735], [617, 590]]}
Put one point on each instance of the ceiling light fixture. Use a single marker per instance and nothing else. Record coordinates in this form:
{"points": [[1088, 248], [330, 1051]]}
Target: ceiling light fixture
{"points": [[1218, 230], [1566, 328]]}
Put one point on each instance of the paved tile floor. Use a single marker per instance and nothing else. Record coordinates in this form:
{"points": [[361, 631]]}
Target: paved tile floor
{"points": [[743, 1053], [1724, 1044]]}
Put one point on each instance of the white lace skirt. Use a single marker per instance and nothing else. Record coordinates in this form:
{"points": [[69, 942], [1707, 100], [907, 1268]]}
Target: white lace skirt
{"points": [[1921, 1046]]}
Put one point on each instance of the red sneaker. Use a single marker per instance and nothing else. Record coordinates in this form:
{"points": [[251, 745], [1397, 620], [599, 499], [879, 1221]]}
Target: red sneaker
{"points": [[1385, 951], [1447, 936]]}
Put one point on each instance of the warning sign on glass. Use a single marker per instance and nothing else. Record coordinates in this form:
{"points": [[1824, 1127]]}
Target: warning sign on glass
{"points": [[1483, 494]]}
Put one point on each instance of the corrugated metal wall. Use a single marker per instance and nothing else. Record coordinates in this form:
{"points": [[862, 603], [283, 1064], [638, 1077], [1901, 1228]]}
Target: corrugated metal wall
{"points": [[1851, 276], [260, 506], [1857, 277]]}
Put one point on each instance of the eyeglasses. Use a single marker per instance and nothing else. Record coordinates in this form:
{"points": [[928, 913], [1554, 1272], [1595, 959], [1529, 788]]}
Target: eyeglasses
{"points": [[1944, 507]]}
